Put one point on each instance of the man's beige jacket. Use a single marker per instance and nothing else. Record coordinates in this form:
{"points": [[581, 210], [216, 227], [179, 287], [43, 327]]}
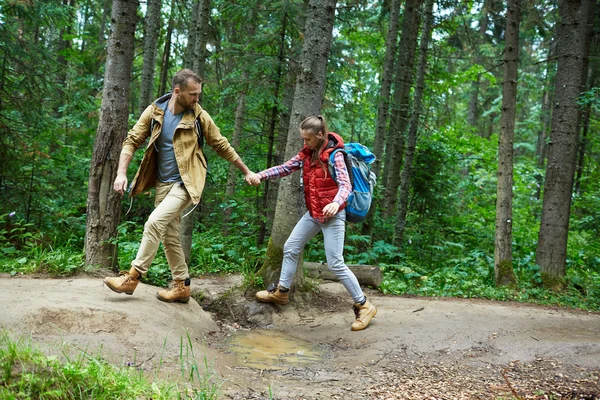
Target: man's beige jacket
{"points": [[190, 158]]}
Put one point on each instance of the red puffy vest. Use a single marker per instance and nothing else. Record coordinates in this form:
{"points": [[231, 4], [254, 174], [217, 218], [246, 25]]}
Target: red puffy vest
{"points": [[319, 187]]}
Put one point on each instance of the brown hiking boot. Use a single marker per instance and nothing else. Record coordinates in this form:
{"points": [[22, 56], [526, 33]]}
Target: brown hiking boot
{"points": [[273, 296], [363, 314], [126, 282], [179, 291]]}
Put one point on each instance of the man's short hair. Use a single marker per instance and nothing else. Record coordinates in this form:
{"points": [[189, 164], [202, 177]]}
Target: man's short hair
{"points": [[183, 76]]}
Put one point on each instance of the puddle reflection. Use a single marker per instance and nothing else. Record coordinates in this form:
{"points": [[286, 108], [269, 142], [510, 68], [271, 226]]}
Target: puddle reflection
{"points": [[272, 350]]}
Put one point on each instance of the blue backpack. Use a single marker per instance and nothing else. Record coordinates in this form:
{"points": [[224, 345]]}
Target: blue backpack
{"points": [[358, 158]]}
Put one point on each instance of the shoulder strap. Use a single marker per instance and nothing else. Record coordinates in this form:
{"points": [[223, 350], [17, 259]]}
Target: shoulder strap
{"points": [[199, 132], [332, 162], [347, 161]]}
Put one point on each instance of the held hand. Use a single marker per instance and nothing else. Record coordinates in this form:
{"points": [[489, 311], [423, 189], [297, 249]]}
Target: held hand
{"points": [[120, 183], [252, 179], [331, 209]]}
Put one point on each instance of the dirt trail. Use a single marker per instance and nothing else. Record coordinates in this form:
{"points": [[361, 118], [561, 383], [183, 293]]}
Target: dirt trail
{"points": [[415, 348]]}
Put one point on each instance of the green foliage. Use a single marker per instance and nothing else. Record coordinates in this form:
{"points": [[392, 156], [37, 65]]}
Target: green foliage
{"points": [[23, 250], [472, 276], [28, 373]]}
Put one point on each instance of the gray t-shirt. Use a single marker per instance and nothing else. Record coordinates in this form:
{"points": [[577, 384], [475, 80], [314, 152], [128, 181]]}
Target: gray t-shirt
{"points": [[167, 164]]}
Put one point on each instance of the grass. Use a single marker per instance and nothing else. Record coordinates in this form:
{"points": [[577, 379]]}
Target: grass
{"points": [[27, 373]]}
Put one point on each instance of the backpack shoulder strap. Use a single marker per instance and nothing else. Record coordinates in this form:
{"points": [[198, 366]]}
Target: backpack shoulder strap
{"points": [[332, 162], [199, 132], [347, 161]]}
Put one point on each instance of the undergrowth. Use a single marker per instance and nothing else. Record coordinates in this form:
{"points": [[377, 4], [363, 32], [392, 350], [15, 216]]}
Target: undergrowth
{"points": [[445, 268], [27, 373]]}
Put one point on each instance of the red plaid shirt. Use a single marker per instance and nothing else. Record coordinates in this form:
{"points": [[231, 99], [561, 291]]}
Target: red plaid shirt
{"points": [[341, 173]]}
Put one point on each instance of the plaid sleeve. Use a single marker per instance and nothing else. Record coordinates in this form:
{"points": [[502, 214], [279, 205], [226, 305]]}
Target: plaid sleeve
{"points": [[343, 179], [282, 170]]}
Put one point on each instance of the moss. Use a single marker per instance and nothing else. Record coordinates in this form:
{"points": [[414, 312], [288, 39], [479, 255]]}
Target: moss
{"points": [[553, 282], [272, 265], [505, 275]]}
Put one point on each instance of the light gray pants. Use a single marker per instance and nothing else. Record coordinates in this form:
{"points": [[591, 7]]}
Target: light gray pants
{"points": [[334, 231]]}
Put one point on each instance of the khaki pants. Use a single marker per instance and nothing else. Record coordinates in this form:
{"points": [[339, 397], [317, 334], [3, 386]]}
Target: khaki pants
{"points": [[163, 225]]}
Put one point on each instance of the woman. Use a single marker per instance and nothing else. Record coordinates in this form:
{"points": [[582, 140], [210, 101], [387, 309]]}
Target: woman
{"points": [[325, 200]]}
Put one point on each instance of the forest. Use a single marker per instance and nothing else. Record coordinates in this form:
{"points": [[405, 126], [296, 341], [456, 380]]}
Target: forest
{"points": [[482, 114]]}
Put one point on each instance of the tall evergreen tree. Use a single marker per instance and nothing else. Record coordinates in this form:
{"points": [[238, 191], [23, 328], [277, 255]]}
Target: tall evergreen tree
{"points": [[103, 206], [473, 110], [503, 268], [387, 74], [151, 31], [166, 57], [308, 100], [198, 65], [415, 122], [403, 82], [551, 252]]}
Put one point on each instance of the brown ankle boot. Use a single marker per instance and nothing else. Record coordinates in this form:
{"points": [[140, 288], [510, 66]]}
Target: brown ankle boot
{"points": [[273, 296], [126, 282], [363, 314], [179, 291]]}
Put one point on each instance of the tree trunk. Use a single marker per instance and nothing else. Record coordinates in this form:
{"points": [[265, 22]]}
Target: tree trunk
{"points": [[106, 11], [503, 269], [192, 34], [289, 83], [473, 109], [308, 100], [384, 102], [544, 122], [545, 111], [103, 203], [281, 139], [235, 142], [198, 65], [583, 116], [200, 53], [152, 29], [411, 142], [272, 127], [400, 104], [61, 82], [551, 251], [370, 275], [164, 71], [584, 138]]}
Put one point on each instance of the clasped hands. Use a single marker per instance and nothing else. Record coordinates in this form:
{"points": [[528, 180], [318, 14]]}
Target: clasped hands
{"points": [[329, 210], [252, 179]]}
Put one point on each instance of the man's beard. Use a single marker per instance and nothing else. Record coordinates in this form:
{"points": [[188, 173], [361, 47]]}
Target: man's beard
{"points": [[188, 106]]}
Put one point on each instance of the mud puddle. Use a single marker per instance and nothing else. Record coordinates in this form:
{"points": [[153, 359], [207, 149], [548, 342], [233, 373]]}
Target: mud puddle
{"points": [[271, 349]]}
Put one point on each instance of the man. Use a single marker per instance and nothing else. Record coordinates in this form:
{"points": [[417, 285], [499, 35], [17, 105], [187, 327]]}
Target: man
{"points": [[173, 163]]}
